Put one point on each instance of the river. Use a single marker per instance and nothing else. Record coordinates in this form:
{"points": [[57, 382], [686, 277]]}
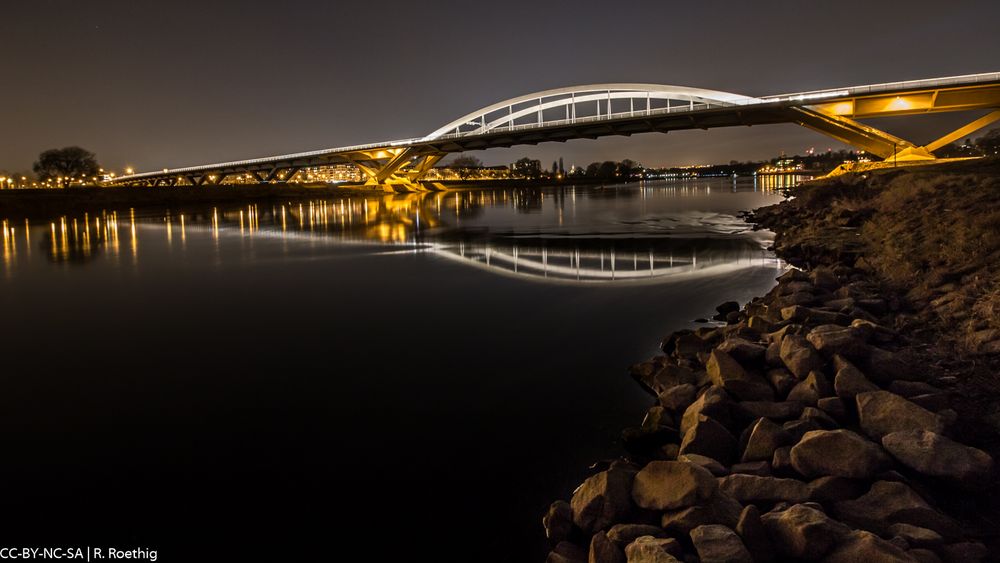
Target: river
{"points": [[225, 383]]}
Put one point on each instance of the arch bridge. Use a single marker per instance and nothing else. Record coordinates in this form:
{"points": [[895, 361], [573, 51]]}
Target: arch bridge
{"points": [[598, 110]]}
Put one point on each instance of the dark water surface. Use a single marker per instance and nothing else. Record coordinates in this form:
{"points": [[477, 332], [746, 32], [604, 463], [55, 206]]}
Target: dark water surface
{"points": [[225, 384]]}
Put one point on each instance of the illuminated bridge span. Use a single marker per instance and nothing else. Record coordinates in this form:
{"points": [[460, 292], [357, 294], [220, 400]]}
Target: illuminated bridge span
{"points": [[597, 110]]}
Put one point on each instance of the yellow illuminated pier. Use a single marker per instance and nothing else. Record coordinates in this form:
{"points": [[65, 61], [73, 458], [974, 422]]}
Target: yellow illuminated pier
{"points": [[598, 110]]}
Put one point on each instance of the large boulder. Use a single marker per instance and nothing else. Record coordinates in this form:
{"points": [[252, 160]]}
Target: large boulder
{"points": [[840, 453], [799, 356], [835, 339], [709, 438], [811, 389], [714, 467], [935, 455], [835, 489], [566, 552], [624, 534], [915, 535], [752, 489], [890, 502], [558, 522], [726, 372], [849, 381], [719, 544], [765, 437], [882, 412], [603, 499], [603, 550], [649, 549], [720, 509], [714, 403], [774, 410], [678, 398], [667, 485], [780, 378], [742, 350], [802, 532], [866, 546], [755, 538], [810, 316]]}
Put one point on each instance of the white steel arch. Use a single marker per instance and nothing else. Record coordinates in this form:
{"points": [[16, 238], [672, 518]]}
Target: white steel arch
{"points": [[504, 115]]}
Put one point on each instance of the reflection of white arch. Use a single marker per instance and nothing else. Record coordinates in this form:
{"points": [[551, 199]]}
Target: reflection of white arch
{"points": [[494, 117]]}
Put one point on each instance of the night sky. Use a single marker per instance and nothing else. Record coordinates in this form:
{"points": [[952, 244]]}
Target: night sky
{"points": [[164, 84]]}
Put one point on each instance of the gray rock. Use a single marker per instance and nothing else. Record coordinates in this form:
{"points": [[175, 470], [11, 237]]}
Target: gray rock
{"points": [[882, 412], [850, 381], [714, 467], [719, 544], [742, 350], [751, 489], [713, 403], [624, 534], [760, 324], [765, 437], [668, 485], [840, 453], [751, 530], [727, 373], [799, 356], [835, 408], [670, 376], [772, 356], [678, 398], [883, 367], [566, 552], [810, 316], [656, 417], [916, 536], [558, 522], [937, 456], [782, 460], [798, 428], [759, 468], [811, 389], [648, 549], [780, 378], [934, 402], [831, 489], [888, 503], [802, 532], [911, 388], [964, 552], [603, 499], [780, 411], [834, 339], [603, 550], [720, 509], [924, 556], [865, 546], [709, 438], [788, 328], [812, 414]]}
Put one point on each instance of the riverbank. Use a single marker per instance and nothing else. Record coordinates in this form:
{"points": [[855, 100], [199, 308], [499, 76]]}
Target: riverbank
{"points": [[849, 414]]}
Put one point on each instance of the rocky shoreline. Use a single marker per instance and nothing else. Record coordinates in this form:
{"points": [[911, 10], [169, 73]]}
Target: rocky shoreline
{"points": [[840, 417]]}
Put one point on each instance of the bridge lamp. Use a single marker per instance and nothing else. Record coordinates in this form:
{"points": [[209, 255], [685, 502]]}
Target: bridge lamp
{"points": [[899, 103], [129, 171]]}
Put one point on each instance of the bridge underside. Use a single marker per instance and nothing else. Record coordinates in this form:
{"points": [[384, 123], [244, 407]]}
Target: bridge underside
{"points": [[833, 113]]}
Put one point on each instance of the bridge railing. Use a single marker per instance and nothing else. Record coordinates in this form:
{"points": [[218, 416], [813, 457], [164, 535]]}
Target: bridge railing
{"points": [[686, 108], [966, 79]]}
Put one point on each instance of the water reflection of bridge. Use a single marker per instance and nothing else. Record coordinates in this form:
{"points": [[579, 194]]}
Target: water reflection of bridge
{"points": [[444, 224]]}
